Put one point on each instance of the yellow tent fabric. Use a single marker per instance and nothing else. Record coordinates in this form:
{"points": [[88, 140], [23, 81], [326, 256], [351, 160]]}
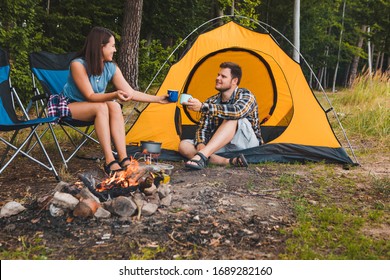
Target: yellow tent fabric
{"points": [[286, 102]]}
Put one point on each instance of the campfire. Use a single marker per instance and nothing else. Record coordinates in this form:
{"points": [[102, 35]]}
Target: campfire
{"points": [[138, 190], [126, 182]]}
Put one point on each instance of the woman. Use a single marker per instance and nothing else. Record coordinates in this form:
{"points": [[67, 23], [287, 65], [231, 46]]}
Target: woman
{"points": [[90, 73]]}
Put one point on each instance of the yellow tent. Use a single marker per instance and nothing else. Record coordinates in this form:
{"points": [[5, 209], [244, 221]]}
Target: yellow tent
{"points": [[294, 125]]}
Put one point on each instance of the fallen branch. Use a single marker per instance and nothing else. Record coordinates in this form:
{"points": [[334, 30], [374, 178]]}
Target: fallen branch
{"points": [[178, 242]]}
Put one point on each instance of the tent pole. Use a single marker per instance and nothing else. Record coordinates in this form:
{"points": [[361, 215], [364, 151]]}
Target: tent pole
{"points": [[297, 8]]}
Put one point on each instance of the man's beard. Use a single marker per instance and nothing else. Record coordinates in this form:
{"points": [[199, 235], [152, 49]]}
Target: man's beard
{"points": [[223, 89]]}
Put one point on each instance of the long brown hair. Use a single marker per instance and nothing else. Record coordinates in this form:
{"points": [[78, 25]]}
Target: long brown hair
{"points": [[92, 49]]}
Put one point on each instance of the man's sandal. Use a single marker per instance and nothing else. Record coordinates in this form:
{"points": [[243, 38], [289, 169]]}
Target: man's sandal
{"points": [[107, 168], [239, 161], [197, 164]]}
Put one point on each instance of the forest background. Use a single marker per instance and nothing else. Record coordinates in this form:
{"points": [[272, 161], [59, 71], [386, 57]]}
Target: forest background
{"points": [[336, 36]]}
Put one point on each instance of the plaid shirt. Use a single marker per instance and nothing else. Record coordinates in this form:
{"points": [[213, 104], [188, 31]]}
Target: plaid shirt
{"points": [[242, 104], [57, 106]]}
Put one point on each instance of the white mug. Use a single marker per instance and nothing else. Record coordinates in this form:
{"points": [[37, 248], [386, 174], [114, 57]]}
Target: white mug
{"points": [[184, 97]]}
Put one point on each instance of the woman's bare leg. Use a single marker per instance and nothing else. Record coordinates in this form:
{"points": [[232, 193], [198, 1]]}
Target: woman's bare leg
{"points": [[117, 129], [99, 113]]}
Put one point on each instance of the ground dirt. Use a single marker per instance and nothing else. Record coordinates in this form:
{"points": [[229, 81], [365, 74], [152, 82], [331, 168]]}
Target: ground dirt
{"points": [[216, 213]]}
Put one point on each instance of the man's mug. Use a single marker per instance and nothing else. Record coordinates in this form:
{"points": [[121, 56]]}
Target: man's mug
{"points": [[184, 97], [173, 95]]}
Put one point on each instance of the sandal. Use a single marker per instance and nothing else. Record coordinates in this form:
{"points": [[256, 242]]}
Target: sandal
{"points": [[239, 161], [123, 161], [108, 170], [199, 163]]}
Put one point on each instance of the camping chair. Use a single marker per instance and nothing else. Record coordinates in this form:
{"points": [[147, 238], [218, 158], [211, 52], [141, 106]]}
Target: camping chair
{"points": [[51, 70], [9, 121]]}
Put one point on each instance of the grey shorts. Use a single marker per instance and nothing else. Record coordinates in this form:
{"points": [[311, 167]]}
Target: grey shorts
{"points": [[244, 138]]}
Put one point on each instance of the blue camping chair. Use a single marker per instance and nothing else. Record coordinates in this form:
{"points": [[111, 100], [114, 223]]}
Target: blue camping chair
{"points": [[52, 70], [9, 121]]}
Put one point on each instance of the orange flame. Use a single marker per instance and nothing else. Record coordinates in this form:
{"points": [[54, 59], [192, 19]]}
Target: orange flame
{"points": [[124, 179]]}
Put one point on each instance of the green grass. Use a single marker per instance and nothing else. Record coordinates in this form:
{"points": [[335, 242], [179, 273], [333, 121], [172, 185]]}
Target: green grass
{"points": [[331, 215], [147, 253], [339, 214], [29, 249], [332, 233], [365, 107], [334, 212]]}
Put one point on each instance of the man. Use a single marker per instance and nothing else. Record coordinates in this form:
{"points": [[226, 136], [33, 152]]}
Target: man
{"points": [[229, 122]]}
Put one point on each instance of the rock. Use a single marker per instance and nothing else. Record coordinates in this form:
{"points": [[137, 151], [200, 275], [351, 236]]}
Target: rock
{"points": [[166, 201], [151, 190], [121, 206], [163, 190], [154, 198], [65, 200], [56, 211], [102, 213], [149, 209], [11, 208]]}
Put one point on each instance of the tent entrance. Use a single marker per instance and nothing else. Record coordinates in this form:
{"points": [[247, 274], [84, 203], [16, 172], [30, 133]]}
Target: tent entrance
{"points": [[257, 77]]}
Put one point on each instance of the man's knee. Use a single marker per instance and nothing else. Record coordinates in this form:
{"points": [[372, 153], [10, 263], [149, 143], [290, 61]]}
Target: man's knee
{"points": [[186, 147], [186, 144]]}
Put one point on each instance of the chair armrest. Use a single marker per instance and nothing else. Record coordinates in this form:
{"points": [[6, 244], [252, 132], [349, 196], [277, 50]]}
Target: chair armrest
{"points": [[36, 98]]}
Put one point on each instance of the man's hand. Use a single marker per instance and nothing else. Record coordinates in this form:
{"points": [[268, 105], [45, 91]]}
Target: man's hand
{"points": [[193, 104]]}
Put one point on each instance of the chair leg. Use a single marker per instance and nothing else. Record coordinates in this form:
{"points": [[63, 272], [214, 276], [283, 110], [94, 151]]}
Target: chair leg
{"points": [[86, 137], [52, 168], [8, 148], [58, 146], [20, 150]]}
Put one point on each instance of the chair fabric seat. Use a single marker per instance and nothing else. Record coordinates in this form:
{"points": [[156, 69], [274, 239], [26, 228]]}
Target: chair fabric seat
{"points": [[24, 124], [74, 122]]}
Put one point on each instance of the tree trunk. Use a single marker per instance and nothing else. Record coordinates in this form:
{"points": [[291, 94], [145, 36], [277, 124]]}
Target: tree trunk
{"points": [[218, 11], [345, 82], [377, 61], [129, 47], [381, 62], [355, 61], [339, 49]]}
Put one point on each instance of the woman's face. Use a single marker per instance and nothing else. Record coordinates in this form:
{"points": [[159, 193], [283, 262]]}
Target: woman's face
{"points": [[109, 49]]}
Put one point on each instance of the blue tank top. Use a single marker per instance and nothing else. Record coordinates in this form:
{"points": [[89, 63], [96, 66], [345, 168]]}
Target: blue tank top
{"points": [[98, 83]]}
